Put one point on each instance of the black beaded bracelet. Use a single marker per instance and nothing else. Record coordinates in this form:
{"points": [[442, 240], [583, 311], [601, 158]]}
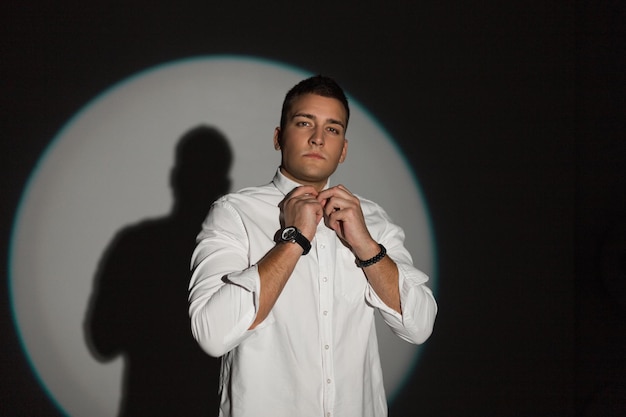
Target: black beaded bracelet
{"points": [[372, 261]]}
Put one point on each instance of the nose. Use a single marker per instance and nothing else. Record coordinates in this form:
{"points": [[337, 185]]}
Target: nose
{"points": [[317, 136]]}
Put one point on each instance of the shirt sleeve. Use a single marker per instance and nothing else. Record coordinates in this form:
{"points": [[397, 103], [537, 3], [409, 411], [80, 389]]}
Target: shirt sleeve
{"points": [[223, 291], [419, 307]]}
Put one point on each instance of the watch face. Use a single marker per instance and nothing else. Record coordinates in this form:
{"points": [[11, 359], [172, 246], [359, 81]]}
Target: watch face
{"points": [[289, 233]]}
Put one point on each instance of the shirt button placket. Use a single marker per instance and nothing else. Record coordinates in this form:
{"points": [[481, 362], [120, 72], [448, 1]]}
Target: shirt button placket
{"points": [[326, 297]]}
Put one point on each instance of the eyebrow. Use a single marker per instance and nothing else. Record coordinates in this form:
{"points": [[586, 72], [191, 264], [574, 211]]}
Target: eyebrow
{"points": [[313, 117]]}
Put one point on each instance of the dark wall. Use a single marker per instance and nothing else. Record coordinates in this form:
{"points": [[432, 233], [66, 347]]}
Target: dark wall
{"points": [[511, 113]]}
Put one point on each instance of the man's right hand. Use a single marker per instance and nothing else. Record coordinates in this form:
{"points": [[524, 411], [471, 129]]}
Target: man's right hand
{"points": [[300, 208]]}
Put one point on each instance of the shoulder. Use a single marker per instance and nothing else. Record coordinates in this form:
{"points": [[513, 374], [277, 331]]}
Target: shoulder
{"points": [[250, 193], [250, 199]]}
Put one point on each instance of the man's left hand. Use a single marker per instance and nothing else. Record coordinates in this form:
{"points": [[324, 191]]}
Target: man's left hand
{"points": [[343, 214]]}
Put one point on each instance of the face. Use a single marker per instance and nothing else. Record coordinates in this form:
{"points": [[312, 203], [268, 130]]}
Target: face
{"points": [[312, 142]]}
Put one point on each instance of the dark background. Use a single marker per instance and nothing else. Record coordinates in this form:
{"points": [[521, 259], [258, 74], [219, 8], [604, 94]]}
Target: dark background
{"points": [[511, 113]]}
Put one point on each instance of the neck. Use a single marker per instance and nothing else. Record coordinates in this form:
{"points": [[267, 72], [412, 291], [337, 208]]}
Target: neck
{"points": [[318, 185]]}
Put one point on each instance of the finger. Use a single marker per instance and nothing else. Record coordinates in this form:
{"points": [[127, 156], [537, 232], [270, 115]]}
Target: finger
{"points": [[327, 193], [333, 205], [337, 191], [303, 190], [298, 193]]}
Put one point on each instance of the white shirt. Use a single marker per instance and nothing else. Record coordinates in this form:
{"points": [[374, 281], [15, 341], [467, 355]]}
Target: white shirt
{"points": [[316, 354]]}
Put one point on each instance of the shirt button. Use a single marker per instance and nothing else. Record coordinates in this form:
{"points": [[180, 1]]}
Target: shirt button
{"points": [[324, 279], [328, 381], [325, 313], [322, 246]]}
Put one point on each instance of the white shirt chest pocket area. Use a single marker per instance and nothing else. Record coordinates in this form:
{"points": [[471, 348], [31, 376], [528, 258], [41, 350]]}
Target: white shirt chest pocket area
{"points": [[350, 281]]}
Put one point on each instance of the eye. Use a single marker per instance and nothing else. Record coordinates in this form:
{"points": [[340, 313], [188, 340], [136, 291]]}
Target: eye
{"points": [[303, 123], [334, 130]]}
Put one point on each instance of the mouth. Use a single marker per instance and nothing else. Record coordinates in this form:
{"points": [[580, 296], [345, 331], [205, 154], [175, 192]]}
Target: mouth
{"points": [[314, 155]]}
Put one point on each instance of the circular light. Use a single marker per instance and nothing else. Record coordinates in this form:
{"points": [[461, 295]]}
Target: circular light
{"points": [[109, 168]]}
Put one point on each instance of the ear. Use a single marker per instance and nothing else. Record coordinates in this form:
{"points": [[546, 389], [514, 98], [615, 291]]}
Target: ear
{"points": [[344, 151], [277, 138]]}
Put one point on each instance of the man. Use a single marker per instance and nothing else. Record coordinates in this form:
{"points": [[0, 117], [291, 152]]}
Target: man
{"points": [[286, 278]]}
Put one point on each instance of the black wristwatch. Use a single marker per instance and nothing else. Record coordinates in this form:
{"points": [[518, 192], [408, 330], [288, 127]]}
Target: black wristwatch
{"points": [[293, 235]]}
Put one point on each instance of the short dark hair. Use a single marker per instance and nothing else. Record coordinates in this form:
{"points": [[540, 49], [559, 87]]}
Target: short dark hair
{"points": [[318, 84]]}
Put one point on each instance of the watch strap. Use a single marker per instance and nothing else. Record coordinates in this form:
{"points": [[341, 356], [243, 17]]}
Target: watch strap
{"points": [[302, 241]]}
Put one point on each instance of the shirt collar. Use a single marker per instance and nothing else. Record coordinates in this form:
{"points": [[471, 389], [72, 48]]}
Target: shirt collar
{"points": [[285, 185]]}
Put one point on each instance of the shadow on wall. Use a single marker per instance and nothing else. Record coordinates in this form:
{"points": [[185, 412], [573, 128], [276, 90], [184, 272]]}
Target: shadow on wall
{"points": [[138, 307]]}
